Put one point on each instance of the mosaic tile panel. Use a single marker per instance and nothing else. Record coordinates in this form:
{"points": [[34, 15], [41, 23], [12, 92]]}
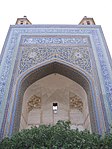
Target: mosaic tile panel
{"points": [[102, 59], [78, 56]]}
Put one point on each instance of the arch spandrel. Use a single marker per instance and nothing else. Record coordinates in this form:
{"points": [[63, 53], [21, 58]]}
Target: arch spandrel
{"points": [[55, 67], [77, 56]]}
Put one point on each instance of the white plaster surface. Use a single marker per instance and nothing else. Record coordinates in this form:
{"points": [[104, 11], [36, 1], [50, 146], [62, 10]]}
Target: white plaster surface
{"points": [[58, 89]]}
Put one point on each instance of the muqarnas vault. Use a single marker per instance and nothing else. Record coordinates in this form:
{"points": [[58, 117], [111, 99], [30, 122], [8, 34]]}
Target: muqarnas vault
{"points": [[55, 72]]}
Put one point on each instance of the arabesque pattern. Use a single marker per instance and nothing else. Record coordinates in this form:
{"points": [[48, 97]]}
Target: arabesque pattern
{"points": [[92, 61], [78, 56]]}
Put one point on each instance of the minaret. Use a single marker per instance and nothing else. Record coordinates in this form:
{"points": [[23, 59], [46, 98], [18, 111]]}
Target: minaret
{"points": [[87, 21], [23, 21]]}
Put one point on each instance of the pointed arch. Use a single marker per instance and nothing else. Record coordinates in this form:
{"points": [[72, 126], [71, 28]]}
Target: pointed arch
{"points": [[54, 67]]}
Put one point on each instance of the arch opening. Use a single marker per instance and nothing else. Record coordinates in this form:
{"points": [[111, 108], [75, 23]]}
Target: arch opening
{"points": [[47, 71], [52, 98]]}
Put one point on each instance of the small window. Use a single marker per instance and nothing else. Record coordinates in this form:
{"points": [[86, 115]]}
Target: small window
{"points": [[88, 22], [21, 22], [55, 107]]}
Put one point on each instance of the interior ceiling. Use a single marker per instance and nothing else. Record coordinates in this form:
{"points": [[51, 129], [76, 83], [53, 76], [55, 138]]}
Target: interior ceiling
{"points": [[55, 83]]}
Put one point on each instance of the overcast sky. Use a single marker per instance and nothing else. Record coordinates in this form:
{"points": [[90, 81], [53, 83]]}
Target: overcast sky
{"points": [[56, 12]]}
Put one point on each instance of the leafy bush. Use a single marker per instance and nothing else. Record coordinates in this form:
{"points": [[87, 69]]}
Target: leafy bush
{"points": [[59, 136]]}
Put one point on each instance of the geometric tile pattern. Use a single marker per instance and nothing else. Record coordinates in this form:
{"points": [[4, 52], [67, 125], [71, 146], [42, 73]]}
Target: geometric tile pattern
{"points": [[78, 56], [28, 46]]}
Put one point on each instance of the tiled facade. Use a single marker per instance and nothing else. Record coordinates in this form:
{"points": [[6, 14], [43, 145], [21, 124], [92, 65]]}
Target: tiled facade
{"points": [[78, 52]]}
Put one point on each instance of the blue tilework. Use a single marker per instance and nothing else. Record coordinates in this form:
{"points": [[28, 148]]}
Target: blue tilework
{"points": [[16, 33]]}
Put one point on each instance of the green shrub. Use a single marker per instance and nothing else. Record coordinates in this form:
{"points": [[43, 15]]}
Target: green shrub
{"points": [[59, 136]]}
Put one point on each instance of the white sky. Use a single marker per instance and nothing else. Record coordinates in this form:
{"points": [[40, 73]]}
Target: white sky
{"points": [[56, 12]]}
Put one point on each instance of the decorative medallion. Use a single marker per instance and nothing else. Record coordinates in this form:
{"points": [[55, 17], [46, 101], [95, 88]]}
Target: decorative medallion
{"points": [[32, 55], [76, 103], [77, 55], [34, 103]]}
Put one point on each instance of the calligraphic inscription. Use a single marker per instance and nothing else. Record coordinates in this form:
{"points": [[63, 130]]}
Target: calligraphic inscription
{"points": [[55, 40]]}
